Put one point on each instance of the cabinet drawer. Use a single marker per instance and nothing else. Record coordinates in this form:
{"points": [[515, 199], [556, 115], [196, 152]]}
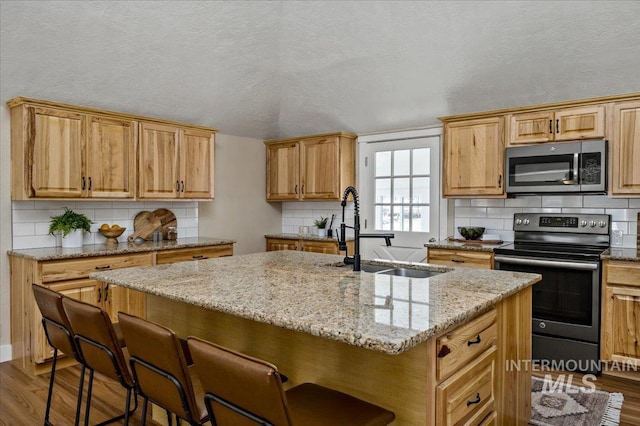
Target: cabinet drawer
{"points": [[625, 273], [470, 259], [468, 397], [490, 420], [81, 268], [196, 253], [457, 348]]}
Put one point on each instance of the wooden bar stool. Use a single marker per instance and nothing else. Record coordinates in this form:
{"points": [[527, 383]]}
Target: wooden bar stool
{"points": [[160, 369], [100, 351], [59, 334], [243, 390]]}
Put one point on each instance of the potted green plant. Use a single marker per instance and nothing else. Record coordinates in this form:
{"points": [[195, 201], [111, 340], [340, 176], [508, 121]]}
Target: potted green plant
{"points": [[321, 224], [71, 226]]}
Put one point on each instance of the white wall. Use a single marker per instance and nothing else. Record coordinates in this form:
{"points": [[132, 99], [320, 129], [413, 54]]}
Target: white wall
{"points": [[496, 215], [239, 210]]}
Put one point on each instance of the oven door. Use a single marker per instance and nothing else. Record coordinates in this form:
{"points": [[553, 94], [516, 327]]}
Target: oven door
{"points": [[566, 303], [544, 168]]}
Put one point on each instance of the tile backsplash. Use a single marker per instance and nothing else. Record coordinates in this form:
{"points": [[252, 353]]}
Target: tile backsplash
{"points": [[496, 215], [31, 219], [296, 214]]}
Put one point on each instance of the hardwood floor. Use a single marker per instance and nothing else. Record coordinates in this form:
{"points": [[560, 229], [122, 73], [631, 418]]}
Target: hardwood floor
{"points": [[23, 397]]}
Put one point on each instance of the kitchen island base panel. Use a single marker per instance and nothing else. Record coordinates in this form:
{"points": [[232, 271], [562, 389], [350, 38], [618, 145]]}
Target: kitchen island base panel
{"points": [[404, 383]]}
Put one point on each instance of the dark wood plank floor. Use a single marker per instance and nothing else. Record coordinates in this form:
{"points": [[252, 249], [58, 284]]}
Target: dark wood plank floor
{"points": [[23, 397]]}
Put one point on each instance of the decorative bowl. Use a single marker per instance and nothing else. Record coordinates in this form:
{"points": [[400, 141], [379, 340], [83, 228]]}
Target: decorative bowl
{"points": [[471, 232], [112, 235]]}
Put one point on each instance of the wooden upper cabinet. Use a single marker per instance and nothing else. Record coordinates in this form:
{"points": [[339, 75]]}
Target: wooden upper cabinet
{"points": [[175, 163], [110, 157], [315, 167], [473, 158], [557, 125], [626, 148], [63, 151]]}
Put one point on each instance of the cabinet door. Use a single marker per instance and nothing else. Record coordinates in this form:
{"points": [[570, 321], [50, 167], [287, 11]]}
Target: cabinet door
{"points": [[473, 158], [274, 244], [191, 254], [55, 149], [116, 299], [320, 247], [579, 123], [196, 164], [626, 148], [622, 324], [89, 291], [283, 171], [110, 157], [319, 167], [158, 161], [531, 127]]}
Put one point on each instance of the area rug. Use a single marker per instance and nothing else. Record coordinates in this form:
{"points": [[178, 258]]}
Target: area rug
{"points": [[570, 405]]}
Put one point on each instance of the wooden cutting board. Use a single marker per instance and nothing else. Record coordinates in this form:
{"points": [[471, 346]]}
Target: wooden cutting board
{"points": [[167, 219], [144, 225]]}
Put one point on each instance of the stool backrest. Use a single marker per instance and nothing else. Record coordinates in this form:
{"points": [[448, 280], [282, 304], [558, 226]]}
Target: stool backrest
{"points": [[56, 324], [97, 340], [249, 386], [159, 365]]}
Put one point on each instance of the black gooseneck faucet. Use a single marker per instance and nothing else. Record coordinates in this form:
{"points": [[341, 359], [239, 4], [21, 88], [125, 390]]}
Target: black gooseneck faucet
{"points": [[342, 240]]}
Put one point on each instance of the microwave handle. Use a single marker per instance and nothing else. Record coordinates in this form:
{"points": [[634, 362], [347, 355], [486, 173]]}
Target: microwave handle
{"points": [[576, 168]]}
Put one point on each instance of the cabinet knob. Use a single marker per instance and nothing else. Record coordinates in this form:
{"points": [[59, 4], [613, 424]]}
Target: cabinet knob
{"points": [[475, 401]]}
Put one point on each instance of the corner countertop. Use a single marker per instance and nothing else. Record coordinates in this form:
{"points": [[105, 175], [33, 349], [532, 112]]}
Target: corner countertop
{"points": [[303, 237], [92, 250], [307, 292], [452, 245], [622, 253]]}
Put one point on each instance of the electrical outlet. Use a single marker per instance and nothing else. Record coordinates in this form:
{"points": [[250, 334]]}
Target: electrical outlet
{"points": [[616, 238]]}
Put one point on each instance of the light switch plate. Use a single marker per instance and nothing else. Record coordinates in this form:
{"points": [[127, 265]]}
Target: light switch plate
{"points": [[616, 238]]}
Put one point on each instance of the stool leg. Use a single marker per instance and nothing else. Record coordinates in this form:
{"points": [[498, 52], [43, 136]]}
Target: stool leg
{"points": [[126, 408], [51, 381], [80, 388], [88, 406], [144, 411]]}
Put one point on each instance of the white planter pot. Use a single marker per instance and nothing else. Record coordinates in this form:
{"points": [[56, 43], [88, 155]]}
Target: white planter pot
{"points": [[322, 232], [74, 239]]}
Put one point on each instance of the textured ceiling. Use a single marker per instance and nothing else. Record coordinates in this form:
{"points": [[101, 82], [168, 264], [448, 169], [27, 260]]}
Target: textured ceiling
{"points": [[279, 69]]}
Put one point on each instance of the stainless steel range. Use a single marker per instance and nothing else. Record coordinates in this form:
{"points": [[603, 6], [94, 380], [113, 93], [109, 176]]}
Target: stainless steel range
{"points": [[565, 249]]}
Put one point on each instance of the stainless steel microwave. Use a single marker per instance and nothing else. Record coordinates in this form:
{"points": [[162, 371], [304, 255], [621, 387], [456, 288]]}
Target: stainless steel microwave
{"points": [[568, 167]]}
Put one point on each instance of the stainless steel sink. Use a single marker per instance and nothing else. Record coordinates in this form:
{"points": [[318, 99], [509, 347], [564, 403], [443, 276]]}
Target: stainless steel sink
{"points": [[399, 272], [374, 268]]}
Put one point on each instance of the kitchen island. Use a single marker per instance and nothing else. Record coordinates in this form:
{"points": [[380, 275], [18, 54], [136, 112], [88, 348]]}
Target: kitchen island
{"points": [[395, 341]]}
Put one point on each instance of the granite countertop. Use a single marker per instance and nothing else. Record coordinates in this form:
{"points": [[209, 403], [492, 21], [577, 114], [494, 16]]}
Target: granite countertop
{"points": [[310, 237], [305, 292], [91, 250], [622, 253], [446, 244]]}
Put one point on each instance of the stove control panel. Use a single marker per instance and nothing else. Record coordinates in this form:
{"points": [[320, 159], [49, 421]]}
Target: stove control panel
{"points": [[573, 223]]}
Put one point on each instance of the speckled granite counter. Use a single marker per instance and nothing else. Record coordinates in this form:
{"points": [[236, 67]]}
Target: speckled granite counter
{"points": [[452, 245], [91, 250], [303, 292], [622, 253], [303, 237]]}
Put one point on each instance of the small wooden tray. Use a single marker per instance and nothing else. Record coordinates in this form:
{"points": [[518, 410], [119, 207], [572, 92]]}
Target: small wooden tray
{"points": [[462, 240]]}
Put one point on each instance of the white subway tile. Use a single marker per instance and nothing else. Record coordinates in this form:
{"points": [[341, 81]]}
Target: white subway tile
{"points": [[462, 202], [504, 212], [488, 223], [189, 222], [23, 229], [54, 205], [625, 215], [620, 226], [42, 228], [508, 224], [471, 212], [525, 201], [507, 235], [573, 210], [462, 221], [33, 241], [126, 204], [178, 213], [292, 221], [192, 232], [562, 201], [487, 202], [634, 203], [152, 205], [35, 215], [290, 229], [22, 205], [303, 213], [604, 201], [547, 210], [191, 212], [629, 241], [90, 213], [633, 228]]}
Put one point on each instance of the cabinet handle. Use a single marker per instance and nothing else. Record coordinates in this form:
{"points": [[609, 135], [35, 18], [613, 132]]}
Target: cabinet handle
{"points": [[199, 256], [89, 183], [102, 268], [99, 295], [296, 189], [457, 260], [557, 125], [106, 293], [476, 401], [182, 182], [474, 342], [500, 181], [84, 183], [177, 186], [302, 188], [551, 126], [444, 351]]}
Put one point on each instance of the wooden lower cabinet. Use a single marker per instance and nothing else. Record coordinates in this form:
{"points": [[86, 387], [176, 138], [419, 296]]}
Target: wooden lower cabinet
{"points": [[621, 312], [457, 257], [314, 246], [71, 278]]}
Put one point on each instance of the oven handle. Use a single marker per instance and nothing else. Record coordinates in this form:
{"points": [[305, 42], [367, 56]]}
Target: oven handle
{"points": [[553, 263]]}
